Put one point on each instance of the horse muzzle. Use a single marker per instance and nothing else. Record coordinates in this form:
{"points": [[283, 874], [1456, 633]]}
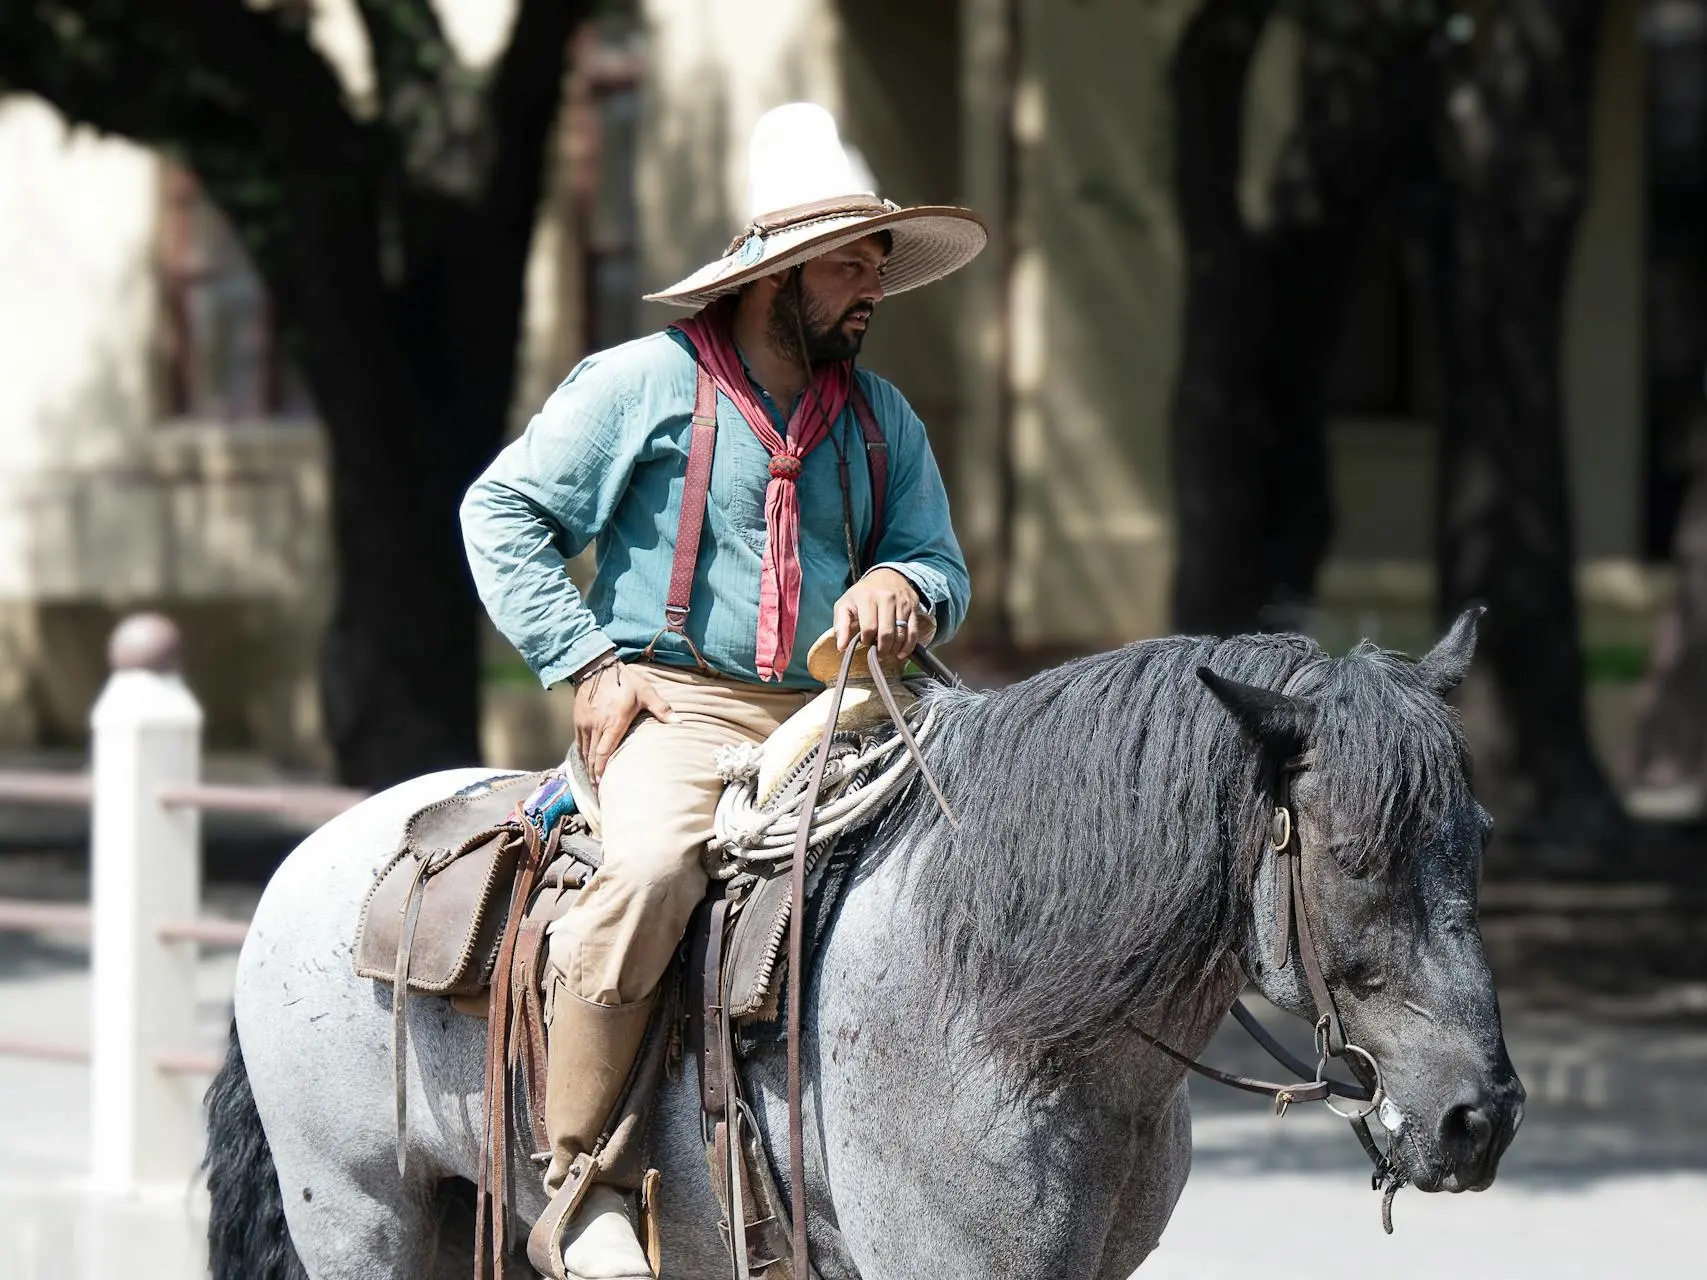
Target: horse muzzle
{"points": [[1462, 1153]]}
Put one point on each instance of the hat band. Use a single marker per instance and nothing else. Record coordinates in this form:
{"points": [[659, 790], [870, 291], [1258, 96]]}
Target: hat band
{"points": [[814, 211]]}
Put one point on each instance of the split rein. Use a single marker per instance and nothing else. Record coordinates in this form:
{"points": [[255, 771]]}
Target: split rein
{"points": [[1293, 919], [797, 912]]}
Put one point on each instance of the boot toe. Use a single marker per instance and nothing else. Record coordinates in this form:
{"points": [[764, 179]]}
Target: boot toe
{"points": [[601, 1244]]}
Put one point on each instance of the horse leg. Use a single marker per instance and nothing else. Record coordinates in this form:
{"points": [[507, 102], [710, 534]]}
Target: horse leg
{"points": [[361, 1228], [936, 1174], [935, 1164], [284, 1201], [351, 1215]]}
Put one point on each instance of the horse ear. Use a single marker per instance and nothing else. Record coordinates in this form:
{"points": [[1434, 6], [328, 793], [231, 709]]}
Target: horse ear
{"points": [[1444, 667], [1273, 719]]}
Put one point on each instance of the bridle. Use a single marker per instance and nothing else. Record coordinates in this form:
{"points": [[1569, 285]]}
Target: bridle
{"points": [[1292, 919]]}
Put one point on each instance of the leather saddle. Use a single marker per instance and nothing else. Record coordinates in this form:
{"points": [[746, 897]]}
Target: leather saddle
{"points": [[437, 911], [460, 911]]}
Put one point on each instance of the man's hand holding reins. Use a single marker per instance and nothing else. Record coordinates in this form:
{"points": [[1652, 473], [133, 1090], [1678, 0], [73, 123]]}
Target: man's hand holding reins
{"points": [[607, 700], [882, 609]]}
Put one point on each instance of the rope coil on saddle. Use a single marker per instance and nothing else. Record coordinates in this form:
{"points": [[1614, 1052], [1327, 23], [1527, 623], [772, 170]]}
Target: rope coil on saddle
{"points": [[858, 783]]}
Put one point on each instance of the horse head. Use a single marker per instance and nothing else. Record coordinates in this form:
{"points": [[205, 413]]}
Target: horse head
{"points": [[1367, 761]]}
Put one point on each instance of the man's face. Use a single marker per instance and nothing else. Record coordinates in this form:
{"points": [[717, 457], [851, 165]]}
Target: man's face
{"points": [[837, 294]]}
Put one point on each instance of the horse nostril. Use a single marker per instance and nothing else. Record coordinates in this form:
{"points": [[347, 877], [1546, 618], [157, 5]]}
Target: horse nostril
{"points": [[1467, 1129]]}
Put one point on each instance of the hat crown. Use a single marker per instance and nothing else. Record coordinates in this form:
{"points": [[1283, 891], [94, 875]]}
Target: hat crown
{"points": [[797, 157]]}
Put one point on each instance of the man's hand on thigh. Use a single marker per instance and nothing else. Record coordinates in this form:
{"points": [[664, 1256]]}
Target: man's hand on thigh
{"points": [[606, 704]]}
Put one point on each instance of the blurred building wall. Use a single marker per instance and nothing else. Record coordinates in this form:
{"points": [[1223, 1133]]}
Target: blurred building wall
{"points": [[105, 506], [1095, 293]]}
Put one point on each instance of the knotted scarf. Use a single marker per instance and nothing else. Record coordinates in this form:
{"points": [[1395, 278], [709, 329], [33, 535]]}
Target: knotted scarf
{"points": [[779, 576]]}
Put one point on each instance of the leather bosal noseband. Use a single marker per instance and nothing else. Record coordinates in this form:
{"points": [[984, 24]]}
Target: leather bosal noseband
{"points": [[1292, 919]]}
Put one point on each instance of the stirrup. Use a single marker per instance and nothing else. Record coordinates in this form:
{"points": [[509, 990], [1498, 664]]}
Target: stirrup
{"points": [[546, 1240]]}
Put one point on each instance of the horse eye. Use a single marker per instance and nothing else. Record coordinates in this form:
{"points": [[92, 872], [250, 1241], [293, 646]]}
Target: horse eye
{"points": [[1364, 981]]}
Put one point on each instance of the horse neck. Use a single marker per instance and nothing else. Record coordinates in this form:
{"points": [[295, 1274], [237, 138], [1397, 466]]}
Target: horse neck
{"points": [[1129, 1078], [1137, 1079]]}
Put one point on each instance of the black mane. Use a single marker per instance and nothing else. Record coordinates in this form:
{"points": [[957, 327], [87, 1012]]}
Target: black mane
{"points": [[1111, 816]]}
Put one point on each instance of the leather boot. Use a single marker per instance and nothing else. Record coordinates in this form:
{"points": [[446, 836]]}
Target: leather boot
{"points": [[584, 1233]]}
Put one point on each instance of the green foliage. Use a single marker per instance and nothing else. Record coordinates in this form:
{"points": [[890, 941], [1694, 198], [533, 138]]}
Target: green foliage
{"points": [[508, 672], [241, 96], [1615, 663], [147, 72], [1370, 30]]}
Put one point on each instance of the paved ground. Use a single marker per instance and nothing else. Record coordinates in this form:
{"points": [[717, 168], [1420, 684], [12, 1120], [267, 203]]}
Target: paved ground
{"points": [[1607, 1019]]}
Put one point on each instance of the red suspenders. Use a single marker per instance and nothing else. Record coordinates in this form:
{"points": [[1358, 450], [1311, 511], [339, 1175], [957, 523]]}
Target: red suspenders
{"points": [[877, 468], [694, 491], [698, 484]]}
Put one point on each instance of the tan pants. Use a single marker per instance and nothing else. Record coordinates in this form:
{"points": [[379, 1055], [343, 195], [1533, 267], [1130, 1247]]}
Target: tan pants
{"points": [[657, 798]]}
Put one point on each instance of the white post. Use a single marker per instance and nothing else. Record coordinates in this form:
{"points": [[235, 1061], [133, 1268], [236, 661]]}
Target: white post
{"points": [[145, 868]]}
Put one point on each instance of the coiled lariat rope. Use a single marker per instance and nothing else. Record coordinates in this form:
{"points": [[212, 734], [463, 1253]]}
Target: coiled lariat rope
{"points": [[858, 782]]}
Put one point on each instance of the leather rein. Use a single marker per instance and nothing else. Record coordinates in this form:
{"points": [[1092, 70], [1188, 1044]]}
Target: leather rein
{"points": [[1292, 919], [797, 900]]}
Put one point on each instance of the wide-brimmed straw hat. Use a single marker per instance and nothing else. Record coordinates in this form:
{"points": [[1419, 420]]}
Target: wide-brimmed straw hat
{"points": [[807, 194]]}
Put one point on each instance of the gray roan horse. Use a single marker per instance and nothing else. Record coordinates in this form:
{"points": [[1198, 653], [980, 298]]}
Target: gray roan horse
{"points": [[977, 1100]]}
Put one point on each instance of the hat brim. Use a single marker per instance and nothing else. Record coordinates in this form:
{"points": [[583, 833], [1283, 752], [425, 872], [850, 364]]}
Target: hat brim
{"points": [[930, 242]]}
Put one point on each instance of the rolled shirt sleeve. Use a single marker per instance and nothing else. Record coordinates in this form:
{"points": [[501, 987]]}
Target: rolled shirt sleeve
{"points": [[543, 499], [918, 537]]}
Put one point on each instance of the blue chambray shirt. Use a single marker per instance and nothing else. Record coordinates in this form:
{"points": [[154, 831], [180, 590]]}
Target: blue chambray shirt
{"points": [[604, 462]]}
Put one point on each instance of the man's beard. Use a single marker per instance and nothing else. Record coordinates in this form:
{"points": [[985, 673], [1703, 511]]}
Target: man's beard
{"points": [[827, 340]]}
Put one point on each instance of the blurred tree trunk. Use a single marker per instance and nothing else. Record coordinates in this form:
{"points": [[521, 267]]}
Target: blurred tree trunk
{"points": [[1670, 740], [1517, 161], [1265, 309], [393, 247], [1670, 746], [1221, 430], [1369, 84]]}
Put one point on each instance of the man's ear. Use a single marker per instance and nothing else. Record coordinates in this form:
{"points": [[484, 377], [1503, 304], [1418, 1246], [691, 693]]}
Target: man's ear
{"points": [[769, 286]]}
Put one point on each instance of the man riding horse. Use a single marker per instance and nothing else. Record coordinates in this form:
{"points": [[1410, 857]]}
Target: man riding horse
{"points": [[712, 426]]}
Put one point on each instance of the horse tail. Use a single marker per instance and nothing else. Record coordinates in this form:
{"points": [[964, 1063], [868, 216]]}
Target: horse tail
{"points": [[246, 1234]]}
